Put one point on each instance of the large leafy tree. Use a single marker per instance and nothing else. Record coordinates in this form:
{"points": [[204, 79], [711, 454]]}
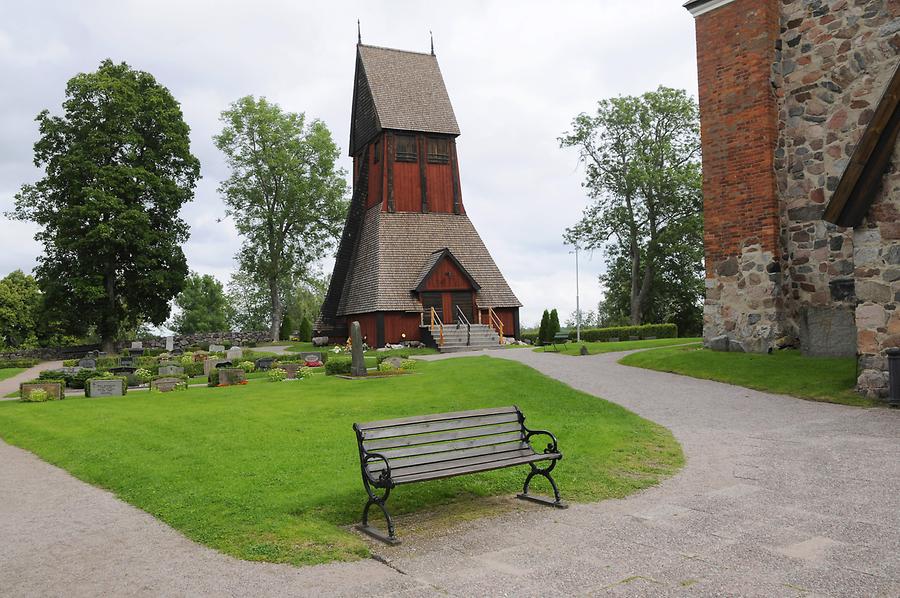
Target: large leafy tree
{"points": [[203, 306], [20, 301], [285, 194], [641, 157], [117, 170]]}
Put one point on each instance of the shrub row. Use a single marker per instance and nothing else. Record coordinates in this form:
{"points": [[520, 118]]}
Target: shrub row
{"points": [[18, 363], [338, 365], [623, 333]]}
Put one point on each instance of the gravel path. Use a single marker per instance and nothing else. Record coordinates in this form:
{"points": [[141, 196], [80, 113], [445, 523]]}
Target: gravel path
{"points": [[779, 497]]}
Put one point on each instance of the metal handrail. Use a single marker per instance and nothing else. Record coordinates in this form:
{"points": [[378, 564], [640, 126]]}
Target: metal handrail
{"points": [[465, 320], [434, 317], [495, 321]]}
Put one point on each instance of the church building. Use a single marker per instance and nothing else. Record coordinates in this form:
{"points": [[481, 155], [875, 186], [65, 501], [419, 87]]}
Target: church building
{"points": [[409, 255], [801, 177]]}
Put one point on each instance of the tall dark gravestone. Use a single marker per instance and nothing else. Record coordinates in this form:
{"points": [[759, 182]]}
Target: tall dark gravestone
{"points": [[358, 363]]}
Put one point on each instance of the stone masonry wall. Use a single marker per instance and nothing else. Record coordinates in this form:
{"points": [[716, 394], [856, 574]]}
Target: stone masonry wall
{"points": [[834, 60], [735, 51]]}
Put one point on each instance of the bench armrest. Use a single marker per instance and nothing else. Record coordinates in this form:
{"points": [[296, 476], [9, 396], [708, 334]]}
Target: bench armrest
{"points": [[553, 447], [385, 473]]}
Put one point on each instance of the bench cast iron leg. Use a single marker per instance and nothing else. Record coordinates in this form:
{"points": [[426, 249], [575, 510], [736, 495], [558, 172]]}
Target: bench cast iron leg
{"points": [[367, 529], [544, 472]]}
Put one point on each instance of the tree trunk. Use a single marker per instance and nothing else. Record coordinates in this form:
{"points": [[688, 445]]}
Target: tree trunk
{"points": [[277, 309], [109, 325], [635, 286]]}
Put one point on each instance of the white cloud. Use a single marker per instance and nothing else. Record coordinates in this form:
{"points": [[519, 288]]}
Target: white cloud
{"points": [[517, 74]]}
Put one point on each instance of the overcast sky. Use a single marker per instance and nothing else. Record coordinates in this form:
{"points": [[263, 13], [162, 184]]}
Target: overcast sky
{"points": [[517, 73]]}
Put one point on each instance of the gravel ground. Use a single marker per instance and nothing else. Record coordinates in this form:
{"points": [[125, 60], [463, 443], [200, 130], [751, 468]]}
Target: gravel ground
{"points": [[779, 497]]}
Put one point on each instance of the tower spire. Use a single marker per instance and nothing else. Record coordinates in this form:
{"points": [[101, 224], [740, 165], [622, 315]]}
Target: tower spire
{"points": [[432, 41], [359, 32]]}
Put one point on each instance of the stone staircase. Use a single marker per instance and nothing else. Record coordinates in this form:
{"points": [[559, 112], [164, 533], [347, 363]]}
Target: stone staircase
{"points": [[459, 338]]}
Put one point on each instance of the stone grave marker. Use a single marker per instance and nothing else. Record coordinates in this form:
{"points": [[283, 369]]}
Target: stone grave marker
{"points": [[137, 345], [107, 388], [135, 351], [264, 363], [358, 361], [167, 384], [177, 352], [198, 357], [87, 362], [170, 343], [313, 359], [291, 370], [234, 353], [211, 364], [171, 370], [229, 376], [319, 341], [217, 348], [394, 362], [126, 361], [54, 389]]}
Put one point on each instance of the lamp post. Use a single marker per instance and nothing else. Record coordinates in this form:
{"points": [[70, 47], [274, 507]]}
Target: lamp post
{"points": [[577, 301]]}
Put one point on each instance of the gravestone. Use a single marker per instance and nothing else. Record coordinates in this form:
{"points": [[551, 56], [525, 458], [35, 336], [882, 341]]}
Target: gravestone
{"points": [[828, 332], [123, 370], [583, 350], [394, 362], [170, 343], [358, 361], [234, 353], [312, 360], [319, 341], [107, 388], [171, 370], [264, 363], [224, 364], [135, 351], [54, 390], [87, 362], [137, 345], [126, 361], [199, 356], [167, 384], [291, 370], [217, 348], [211, 364], [177, 352], [229, 376]]}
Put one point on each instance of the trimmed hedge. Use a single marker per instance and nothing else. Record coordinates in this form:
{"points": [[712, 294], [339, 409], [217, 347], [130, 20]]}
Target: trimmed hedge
{"points": [[529, 336], [338, 365], [18, 363], [623, 333]]}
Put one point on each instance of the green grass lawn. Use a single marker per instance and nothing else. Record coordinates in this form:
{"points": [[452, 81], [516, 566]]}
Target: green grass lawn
{"points": [[10, 372], [573, 348], [270, 471], [829, 379]]}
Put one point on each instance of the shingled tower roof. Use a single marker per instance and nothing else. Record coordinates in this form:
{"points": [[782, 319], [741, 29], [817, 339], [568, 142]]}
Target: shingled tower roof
{"points": [[400, 90]]}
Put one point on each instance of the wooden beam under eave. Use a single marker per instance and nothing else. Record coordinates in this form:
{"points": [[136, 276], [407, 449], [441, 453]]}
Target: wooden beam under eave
{"points": [[862, 177]]}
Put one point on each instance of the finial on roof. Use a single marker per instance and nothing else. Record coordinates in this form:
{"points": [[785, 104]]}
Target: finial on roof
{"points": [[358, 32], [432, 41]]}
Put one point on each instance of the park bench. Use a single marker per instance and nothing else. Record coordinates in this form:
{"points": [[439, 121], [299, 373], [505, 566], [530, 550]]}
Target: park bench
{"points": [[394, 452], [560, 337]]}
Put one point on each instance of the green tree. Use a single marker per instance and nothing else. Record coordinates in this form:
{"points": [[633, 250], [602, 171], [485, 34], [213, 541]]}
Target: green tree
{"points": [[285, 193], [118, 169], [545, 327], [20, 301], [641, 157], [203, 306], [554, 324], [286, 327], [305, 332]]}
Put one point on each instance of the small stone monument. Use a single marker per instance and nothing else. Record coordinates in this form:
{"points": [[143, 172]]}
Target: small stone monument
{"points": [[290, 370], [170, 343], [167, 384], [230, 376], [54, 390], [87, 362], [264, 363], [211, 364], [217, 348], [171, 370], [126, 361], [358, 361], [234, 353], [583, 350], [319, 341], [312, 360], [106, 388], [137, 345], [177, 351]]}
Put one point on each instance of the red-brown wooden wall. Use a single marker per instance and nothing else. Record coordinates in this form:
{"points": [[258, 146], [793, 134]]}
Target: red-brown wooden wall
{"points": [[447, 277]]}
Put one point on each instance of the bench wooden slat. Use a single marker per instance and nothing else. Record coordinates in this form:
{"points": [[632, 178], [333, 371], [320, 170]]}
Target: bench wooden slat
{"points": [[449, 473], [435, 466], [398, 466], [455, 445], [389, 423], [438, 426], [409, 441]]}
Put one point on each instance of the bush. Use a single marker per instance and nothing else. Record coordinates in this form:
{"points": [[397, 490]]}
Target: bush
{"points": [[554, 324], [143, 375], [338, 365], [545, 327], [304, 373], [247, 366], [305, 332], [624, 332], [409, 364], [18, 363], [70, 363], [285, 332], [38, 395], [213, 379], [277, 375], [530, 336]]}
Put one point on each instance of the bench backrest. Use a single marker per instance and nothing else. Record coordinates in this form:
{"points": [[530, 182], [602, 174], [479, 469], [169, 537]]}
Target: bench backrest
{"points": [[424, 438]]}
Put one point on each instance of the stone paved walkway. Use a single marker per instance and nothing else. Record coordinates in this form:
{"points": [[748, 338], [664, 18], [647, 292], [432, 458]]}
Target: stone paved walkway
{"points": [[779, 497]]}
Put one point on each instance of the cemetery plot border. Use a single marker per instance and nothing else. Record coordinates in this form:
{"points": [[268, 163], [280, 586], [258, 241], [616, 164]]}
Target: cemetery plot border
{"points": [[55, 389]]}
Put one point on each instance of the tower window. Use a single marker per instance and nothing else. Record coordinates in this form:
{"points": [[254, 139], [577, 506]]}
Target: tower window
{"points": [[438, 150], [406, 148]]}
